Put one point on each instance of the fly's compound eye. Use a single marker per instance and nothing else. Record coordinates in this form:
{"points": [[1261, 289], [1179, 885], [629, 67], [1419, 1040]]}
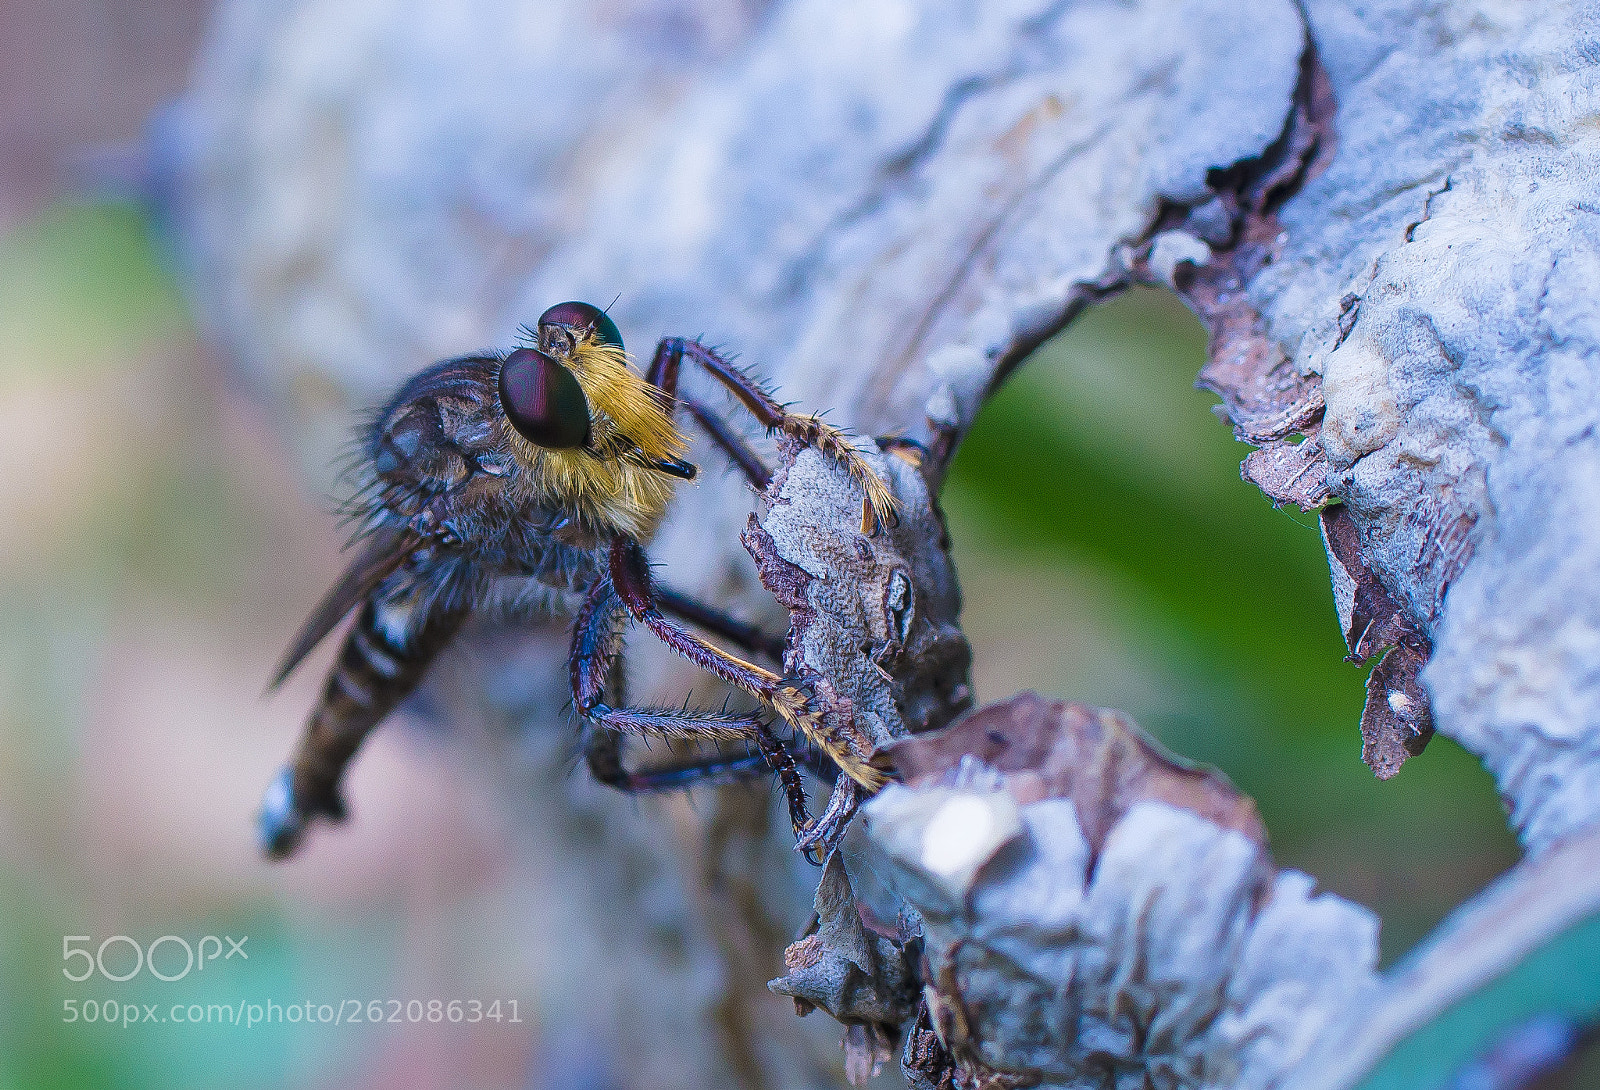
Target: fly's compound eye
{"points": [[543, 400], [582, 319]]}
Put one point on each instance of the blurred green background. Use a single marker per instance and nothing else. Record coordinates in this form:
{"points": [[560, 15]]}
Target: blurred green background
{"points": [[157, 547], [155, 550]]}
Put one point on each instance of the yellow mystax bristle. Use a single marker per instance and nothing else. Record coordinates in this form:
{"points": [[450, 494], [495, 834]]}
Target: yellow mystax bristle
{"points": [[620, 393]]}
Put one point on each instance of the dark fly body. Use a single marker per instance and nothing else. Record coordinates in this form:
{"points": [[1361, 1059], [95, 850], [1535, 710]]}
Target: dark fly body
{"points": [[548, 469]]}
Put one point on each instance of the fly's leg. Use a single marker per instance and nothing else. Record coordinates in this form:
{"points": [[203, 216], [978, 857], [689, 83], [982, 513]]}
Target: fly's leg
{"points": [[597, 636], [630, 575], [723, 435], [384, 656], [596, 648], [843, 803], [602, 752], [663, 375], [746, 637], [879, 506]]}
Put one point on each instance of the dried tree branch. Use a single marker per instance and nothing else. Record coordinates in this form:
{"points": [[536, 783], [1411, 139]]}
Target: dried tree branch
{"points": [[1386, 214]]}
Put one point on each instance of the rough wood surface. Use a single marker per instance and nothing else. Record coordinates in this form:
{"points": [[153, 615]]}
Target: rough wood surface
{"points": [[1386, 213], [1460, 390], [1097, 914]]}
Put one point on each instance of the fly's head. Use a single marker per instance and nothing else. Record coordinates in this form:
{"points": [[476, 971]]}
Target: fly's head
{"points": [[588, 434], [628, 419], [540, 393], [560, 432]]}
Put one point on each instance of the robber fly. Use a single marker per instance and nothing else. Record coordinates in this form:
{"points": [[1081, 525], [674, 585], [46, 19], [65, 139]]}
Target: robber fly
{"points": [[549, 466]]}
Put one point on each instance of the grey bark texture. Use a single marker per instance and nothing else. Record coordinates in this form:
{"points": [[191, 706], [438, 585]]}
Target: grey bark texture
{"points": [[1387, 213], [1461, 403], [1095, 913]]}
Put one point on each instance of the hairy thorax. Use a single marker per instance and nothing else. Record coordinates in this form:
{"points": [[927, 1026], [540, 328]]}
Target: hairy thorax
{"points": [[446, 463]]}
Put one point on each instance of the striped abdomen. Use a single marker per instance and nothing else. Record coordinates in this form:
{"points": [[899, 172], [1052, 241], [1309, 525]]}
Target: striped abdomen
{"points": [[384, 656]]}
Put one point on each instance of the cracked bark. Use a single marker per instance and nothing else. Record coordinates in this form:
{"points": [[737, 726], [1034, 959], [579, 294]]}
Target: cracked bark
{"points": [[1385, 215]]}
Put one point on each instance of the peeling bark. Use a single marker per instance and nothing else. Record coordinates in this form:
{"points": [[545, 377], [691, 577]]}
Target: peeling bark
{"points": [[1395, 720], [1430, 276], [1107, 915]]}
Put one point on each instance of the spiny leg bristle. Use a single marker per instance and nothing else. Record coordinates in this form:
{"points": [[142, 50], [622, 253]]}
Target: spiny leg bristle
{"points": [[881, 508]]}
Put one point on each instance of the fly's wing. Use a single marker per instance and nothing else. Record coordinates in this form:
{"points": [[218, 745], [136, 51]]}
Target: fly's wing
{"points": [[412, 450], [381, 555]]}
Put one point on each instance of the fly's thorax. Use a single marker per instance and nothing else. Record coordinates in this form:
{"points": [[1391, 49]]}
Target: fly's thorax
{"points": [[597, 496], [433, 451], [498, 546], [535, 541], [433, 425]]}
